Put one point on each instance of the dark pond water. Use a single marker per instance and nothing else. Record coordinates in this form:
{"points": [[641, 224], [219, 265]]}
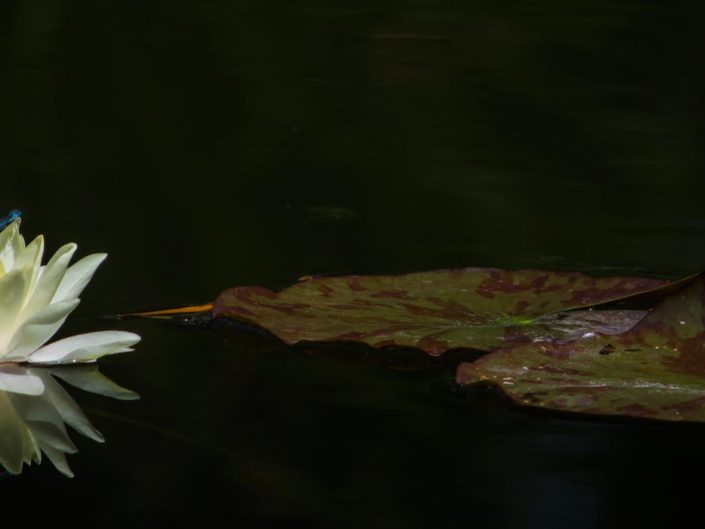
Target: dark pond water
{"points": [[212, 144]]}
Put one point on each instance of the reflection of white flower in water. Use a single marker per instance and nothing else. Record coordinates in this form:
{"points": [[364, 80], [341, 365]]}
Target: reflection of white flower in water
{"points": [[35, 300], [33, 424]]}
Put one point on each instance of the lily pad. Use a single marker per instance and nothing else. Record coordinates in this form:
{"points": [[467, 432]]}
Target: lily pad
{"points": [[436, 311], [655, 370]]}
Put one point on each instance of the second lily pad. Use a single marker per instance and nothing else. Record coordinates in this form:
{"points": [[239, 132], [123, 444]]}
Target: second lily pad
{"points": [[655, 370]]}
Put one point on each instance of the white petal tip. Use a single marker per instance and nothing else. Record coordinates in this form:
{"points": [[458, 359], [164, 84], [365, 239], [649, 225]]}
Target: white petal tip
{"points": [[97, 437], [129, 395], [85, 347]]}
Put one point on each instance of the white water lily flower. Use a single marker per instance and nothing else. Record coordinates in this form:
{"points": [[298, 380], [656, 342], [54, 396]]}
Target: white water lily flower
{"points": [[35, 301], [32, 425]]}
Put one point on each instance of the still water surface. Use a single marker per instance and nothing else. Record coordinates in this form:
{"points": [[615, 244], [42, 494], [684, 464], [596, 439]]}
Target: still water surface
{"points": [[229, 143]]}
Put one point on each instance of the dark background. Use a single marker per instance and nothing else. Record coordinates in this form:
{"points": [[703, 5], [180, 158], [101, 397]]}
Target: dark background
{"points": [[211, 144]]}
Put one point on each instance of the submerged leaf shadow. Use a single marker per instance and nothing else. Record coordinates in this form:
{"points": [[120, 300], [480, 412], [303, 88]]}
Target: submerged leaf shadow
{"points": [[252, 339]]}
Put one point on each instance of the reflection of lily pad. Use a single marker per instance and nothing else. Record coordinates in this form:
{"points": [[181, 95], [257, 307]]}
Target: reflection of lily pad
{"points": [[655, 370], [435, 311]]}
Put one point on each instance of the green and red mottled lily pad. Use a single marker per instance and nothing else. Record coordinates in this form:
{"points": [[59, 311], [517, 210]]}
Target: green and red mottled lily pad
{"points": [[476, 308], [655, 370]]}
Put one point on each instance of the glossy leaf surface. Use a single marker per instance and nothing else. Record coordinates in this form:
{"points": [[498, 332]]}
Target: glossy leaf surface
{"points": [[655, 370], [436, 311]]}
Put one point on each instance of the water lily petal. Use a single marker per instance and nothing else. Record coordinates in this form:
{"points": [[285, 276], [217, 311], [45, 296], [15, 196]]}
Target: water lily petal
{"points": [[31, 257], [58, 459], [13, 288], [47, 427], [32, 424], [45, 422], [16, 443], [52, 432], [48, 279], [77, 277], [85, 347], [15, 379], [10, 245], [66, 407], [13, 245], [89, 378], [38, 328]]}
